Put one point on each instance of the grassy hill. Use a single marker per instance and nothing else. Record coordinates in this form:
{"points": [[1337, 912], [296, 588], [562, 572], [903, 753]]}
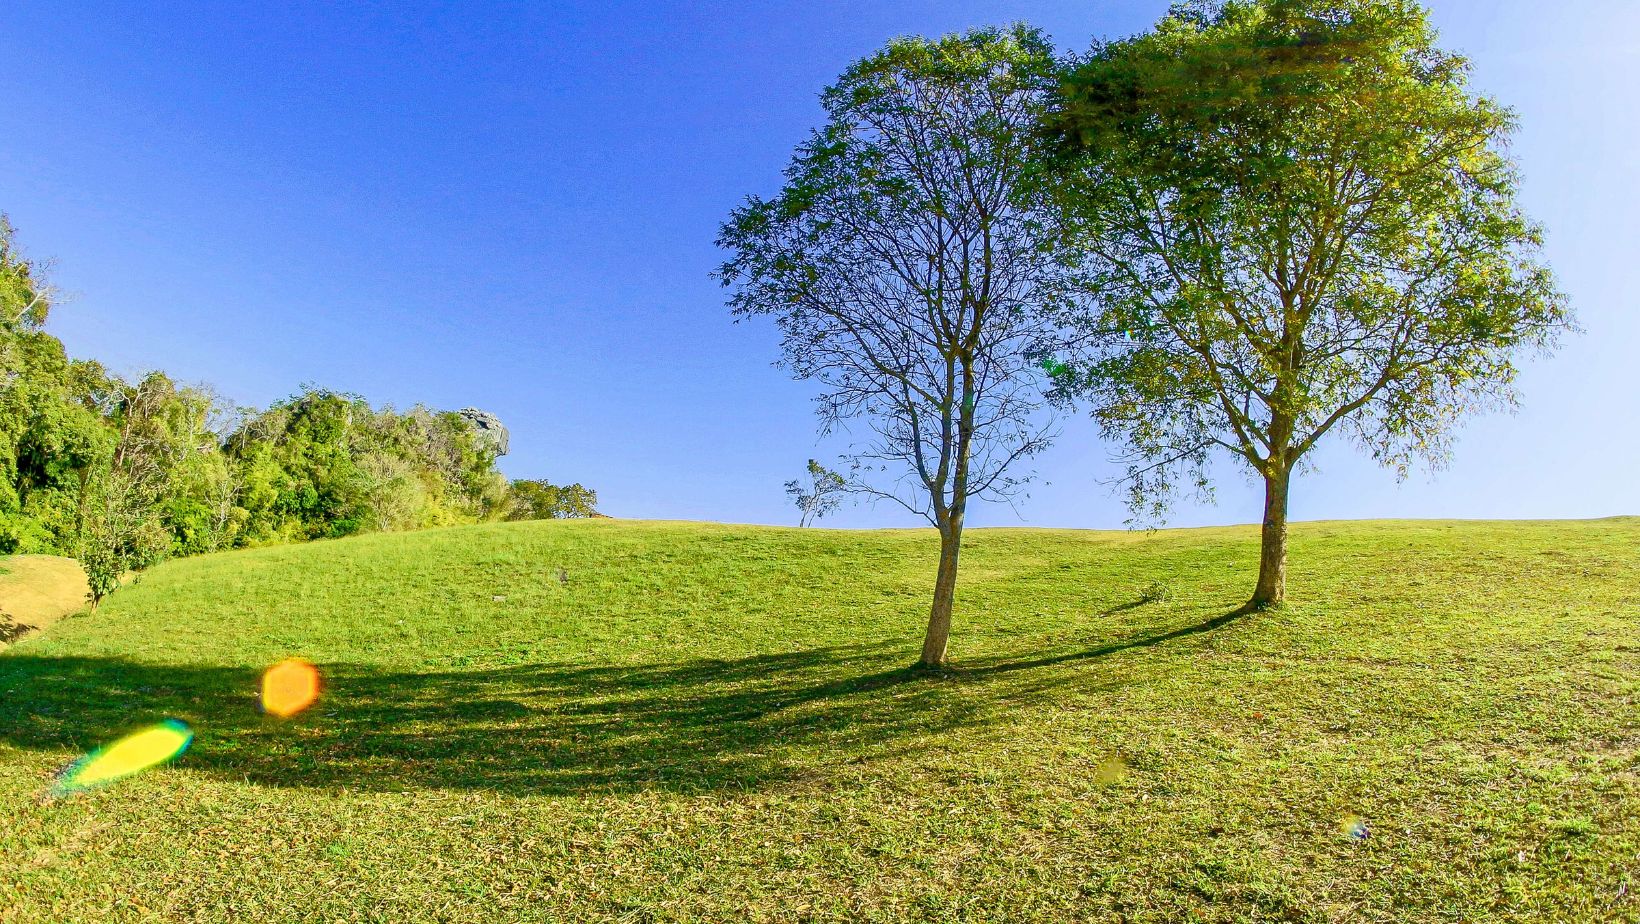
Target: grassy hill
{"points": [[714, 723]]}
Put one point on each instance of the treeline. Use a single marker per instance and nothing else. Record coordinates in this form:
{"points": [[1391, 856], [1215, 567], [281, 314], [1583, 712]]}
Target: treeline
{"points": [[120, 474]]}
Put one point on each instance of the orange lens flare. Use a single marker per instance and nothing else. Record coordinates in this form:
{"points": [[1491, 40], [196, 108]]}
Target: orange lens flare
{"points": [[289, 687]]}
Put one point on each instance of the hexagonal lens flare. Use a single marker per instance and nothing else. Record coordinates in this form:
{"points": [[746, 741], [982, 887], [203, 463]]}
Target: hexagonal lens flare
{"points": [[289, 687]]}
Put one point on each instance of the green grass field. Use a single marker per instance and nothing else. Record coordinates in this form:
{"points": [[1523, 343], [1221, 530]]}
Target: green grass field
{"points": [[715, 723]]}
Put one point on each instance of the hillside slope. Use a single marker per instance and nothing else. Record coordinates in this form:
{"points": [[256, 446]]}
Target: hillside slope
{"points": [[712, 723], [36, 591]]}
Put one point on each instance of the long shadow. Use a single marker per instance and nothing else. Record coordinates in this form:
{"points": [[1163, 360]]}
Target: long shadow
{"points": [[704, 724], [541, 728], [1147, 641]]}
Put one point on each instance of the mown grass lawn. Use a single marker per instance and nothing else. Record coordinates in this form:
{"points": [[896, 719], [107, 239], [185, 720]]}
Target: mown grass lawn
{"points": [[714, 723]]}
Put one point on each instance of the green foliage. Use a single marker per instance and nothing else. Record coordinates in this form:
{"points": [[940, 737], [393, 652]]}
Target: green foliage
{"points": [[542, 500], [1296, 217], [322, 465], [908, 258], [122, 473], [102, 570], [25, 299], [51, 429], [117, 529]]}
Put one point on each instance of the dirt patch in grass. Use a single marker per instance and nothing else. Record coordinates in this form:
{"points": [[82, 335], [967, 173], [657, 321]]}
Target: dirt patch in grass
{"points": [[36, 591]]}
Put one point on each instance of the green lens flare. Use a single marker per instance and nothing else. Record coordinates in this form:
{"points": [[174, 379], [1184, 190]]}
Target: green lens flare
{"points": [[136, 752]]}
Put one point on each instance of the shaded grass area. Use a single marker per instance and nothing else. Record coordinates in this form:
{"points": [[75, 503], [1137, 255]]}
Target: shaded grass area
{"points": [[718, 723], [540, 729]]}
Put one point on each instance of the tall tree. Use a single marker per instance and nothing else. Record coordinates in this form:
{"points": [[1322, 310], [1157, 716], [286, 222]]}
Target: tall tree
{"points": [[908, 265], [1298, 219]]}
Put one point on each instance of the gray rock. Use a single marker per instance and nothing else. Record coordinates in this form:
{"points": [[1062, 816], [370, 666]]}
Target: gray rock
{"points": [[489, 428]]}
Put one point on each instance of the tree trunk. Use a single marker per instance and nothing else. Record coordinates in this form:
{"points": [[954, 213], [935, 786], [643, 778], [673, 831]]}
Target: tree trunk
{"points": [[945, 595], [1272, 562]]}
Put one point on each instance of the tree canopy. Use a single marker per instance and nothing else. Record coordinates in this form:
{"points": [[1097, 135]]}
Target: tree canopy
{"points": [[1296, 218]]}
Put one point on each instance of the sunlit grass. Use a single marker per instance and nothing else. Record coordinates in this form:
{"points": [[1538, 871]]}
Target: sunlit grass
{"points": [[715, 723], [36, 591]]}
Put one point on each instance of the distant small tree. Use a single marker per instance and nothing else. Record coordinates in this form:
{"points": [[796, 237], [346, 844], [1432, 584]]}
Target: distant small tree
{"points": [[1297, 219], [119, 530], [907, 262], [538, 499], [823, 495]]}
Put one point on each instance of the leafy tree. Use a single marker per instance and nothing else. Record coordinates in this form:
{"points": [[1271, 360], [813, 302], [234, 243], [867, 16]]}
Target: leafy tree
{"points": [[1297, 219], [823, 495], [327, 464], [168, 451], [118, 529], [908, 264], [139, 502], [49, 436], [50, 429], [301, 478], [539, 499], [25, 297]]}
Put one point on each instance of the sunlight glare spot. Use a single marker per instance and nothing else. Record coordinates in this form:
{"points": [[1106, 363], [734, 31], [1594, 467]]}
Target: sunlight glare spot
{"points": [[136, 752], [289, 687], [1110, 771]]}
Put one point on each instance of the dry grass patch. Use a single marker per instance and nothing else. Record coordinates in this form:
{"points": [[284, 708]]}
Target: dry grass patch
{"points": [[36, 591]]}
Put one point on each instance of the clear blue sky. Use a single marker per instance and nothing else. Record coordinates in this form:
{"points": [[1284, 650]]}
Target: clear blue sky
{"points": [[512, 206]]}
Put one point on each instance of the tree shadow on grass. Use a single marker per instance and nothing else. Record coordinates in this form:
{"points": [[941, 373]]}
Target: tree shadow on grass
{"points": [[11, 630], [556, 728], [1144, 641]]}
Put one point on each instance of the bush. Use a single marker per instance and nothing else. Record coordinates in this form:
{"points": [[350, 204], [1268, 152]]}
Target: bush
{"points": [[1154, 592]]}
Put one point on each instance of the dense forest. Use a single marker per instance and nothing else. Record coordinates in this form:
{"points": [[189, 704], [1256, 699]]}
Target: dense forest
{"points": [[120, 473]]}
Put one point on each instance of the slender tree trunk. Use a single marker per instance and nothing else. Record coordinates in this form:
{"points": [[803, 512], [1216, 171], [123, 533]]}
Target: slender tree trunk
{"points": [[950, 522], [1272, 562], [945, 595]]}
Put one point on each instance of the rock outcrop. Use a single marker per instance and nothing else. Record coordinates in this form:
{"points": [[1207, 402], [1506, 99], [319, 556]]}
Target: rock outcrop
{"points": [[489, 428]]}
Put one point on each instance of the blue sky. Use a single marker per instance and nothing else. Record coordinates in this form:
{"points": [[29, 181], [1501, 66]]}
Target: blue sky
{"points": [[512, 206]]}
